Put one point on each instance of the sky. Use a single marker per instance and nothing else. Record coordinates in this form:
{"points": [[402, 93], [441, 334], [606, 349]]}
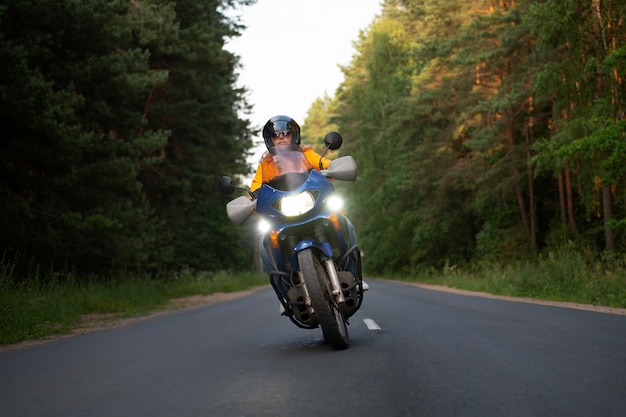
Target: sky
{"points": [[291, 51]]}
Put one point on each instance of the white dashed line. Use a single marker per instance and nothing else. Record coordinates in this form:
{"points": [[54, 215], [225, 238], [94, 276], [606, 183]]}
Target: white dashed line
{"points": [[371, 324]]}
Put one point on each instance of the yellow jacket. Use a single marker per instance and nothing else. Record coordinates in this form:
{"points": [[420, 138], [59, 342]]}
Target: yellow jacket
{"points": [[312, 156]]}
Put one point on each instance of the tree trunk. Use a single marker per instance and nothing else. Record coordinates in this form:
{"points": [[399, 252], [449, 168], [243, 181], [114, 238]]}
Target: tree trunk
{"points": [[531, 191], [607, 208], [562, 198], [510, 132], [570, 199]]}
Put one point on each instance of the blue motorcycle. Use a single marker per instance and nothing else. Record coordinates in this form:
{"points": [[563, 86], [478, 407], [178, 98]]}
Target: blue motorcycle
{"points": [[307, 245]]}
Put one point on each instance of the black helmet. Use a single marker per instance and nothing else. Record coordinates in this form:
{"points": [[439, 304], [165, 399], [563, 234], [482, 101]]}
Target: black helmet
{"points": [[277, 123]]}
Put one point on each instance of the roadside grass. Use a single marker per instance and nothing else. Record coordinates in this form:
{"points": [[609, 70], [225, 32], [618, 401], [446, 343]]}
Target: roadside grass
{"points": [[37, 308], [560, 275], [45, 305]]}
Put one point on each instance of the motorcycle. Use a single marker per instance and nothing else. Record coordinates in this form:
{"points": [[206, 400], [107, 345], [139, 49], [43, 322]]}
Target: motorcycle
{"points": [[307, 245]]}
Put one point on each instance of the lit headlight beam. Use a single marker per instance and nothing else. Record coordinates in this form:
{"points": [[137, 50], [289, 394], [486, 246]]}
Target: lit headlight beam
{"points": [[295, 205], [335, 203], [263, 226]]}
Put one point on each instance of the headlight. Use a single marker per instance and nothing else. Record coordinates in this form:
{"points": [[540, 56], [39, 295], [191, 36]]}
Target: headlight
{"points": [[294, 205], [334, 203], [263, 226]]}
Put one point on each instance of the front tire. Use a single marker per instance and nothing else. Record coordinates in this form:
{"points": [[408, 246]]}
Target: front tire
{"points": [[329, 315]]}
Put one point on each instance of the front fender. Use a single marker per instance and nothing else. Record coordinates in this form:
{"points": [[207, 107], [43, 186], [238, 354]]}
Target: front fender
{"points": [[323, 247]]}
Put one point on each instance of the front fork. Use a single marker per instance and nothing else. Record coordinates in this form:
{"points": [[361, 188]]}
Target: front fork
{"points": [[331, 270], [320, 243], [334, 282]]}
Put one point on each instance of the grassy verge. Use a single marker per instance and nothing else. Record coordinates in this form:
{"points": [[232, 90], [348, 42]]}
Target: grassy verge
{"points": [[35, 309], [38, 308], [560, 275]]}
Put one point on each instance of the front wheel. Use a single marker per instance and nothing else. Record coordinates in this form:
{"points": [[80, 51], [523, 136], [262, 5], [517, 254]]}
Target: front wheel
{"points": [[329, 315]]}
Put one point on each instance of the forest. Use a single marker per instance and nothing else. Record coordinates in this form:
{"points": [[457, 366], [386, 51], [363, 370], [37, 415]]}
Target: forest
{"points": [[485, 131], [117, 119]]}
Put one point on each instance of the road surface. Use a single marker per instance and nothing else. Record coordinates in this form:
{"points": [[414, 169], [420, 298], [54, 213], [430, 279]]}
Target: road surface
{"points": [[413, 352]]}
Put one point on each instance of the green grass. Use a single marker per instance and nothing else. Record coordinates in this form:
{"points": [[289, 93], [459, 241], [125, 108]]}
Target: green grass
{"points": [[33, 309], [561, 275], [56, 303]]}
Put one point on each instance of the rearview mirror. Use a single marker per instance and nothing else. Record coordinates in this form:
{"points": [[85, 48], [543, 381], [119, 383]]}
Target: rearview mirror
{"points": [[333, 140], [226, 185]]}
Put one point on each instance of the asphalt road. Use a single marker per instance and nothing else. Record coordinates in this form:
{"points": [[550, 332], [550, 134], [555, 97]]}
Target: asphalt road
{"points": [[435, 354]]}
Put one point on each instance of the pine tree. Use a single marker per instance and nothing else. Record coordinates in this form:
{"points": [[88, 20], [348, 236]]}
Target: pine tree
{"points": [[117, 123]]}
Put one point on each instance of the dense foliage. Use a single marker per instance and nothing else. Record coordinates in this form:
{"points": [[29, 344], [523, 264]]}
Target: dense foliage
{"points": [[486, 130], [117, 118]]}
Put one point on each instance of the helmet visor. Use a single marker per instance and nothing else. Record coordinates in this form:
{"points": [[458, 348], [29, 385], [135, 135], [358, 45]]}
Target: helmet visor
{"points": [[279, 125]]}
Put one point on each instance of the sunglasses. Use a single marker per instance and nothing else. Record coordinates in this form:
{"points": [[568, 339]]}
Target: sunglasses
{"points": [[278, 133]]}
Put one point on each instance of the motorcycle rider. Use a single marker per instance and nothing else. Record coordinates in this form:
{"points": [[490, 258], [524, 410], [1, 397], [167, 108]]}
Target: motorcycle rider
{"points": [[283, 130]]}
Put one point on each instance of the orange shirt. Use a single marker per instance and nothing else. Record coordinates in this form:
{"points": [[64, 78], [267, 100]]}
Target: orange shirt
{"points": [[312, 156]]}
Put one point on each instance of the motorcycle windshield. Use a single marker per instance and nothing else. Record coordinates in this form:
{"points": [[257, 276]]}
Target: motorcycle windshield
{"points": [[286, 167]]}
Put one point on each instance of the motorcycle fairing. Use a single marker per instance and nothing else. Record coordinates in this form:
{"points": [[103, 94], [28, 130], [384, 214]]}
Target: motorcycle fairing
{"points": [[268, 195]]}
